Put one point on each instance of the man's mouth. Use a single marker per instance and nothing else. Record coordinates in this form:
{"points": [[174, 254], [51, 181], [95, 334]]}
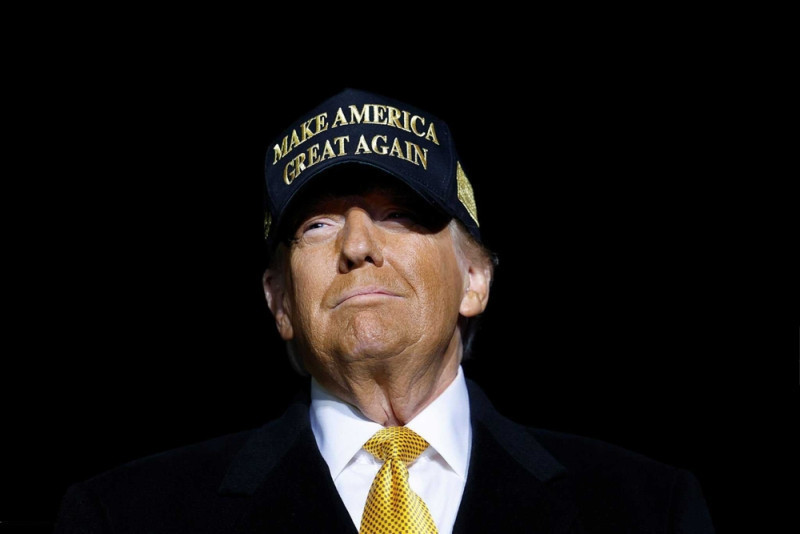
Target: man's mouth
{"points": [[365, 294]]}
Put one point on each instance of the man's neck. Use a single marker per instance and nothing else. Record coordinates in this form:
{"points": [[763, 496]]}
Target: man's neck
{"points": [[391, 396]]}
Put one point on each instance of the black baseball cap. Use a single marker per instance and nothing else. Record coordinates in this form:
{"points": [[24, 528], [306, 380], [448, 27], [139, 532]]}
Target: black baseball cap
{"points": [[357, 126]]}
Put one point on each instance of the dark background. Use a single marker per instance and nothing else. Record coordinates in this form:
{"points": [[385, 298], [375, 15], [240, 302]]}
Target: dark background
{"points": [[646, 291]]}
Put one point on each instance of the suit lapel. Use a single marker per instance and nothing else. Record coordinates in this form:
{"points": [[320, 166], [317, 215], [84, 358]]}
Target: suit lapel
{"points": [[281, 483], [514, 484]]}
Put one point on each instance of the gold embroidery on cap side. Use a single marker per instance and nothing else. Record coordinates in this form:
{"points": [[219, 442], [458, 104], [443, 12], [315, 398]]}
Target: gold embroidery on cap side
{"points": [[267, 224], [465, 194]]}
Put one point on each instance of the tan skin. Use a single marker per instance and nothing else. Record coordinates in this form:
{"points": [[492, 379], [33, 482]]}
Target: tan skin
{"points": [[371, 298]]}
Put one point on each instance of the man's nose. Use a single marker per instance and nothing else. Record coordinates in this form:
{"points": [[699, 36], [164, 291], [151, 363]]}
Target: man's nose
{"points": [[361, 241]]}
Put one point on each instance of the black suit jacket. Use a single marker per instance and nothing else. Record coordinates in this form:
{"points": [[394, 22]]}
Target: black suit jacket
{"points": [[274, 480]]}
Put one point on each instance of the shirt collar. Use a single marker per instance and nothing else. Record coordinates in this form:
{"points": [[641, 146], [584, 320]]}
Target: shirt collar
{"points": [[341, 430]]}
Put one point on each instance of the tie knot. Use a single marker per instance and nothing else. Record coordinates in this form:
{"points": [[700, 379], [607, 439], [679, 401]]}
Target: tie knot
{"points": [[396, 443]]}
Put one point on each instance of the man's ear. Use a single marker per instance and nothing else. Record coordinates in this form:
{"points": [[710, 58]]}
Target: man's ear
{"points": [[278, 303], [476, 294]]}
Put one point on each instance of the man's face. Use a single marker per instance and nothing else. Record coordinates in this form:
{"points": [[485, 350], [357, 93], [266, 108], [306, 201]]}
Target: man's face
{"points": [[372, 275]]}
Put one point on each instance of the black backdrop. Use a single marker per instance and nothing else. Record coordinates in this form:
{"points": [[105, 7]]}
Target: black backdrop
{"points": [[645, 292]]}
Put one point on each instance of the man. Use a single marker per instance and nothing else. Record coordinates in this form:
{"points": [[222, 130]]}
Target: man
{"points": [[377, 275]]}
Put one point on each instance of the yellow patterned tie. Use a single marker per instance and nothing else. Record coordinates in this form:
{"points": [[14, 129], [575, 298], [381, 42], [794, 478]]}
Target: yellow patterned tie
{"points": [[391, 505]]}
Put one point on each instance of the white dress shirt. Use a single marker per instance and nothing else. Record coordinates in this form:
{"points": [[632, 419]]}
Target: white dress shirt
{"points": [[437, 476]]}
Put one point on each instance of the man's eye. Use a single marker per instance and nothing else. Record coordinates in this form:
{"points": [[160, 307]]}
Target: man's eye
{"points": [[313, 226], [400, 215], [316, 230], [316, 223]]}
